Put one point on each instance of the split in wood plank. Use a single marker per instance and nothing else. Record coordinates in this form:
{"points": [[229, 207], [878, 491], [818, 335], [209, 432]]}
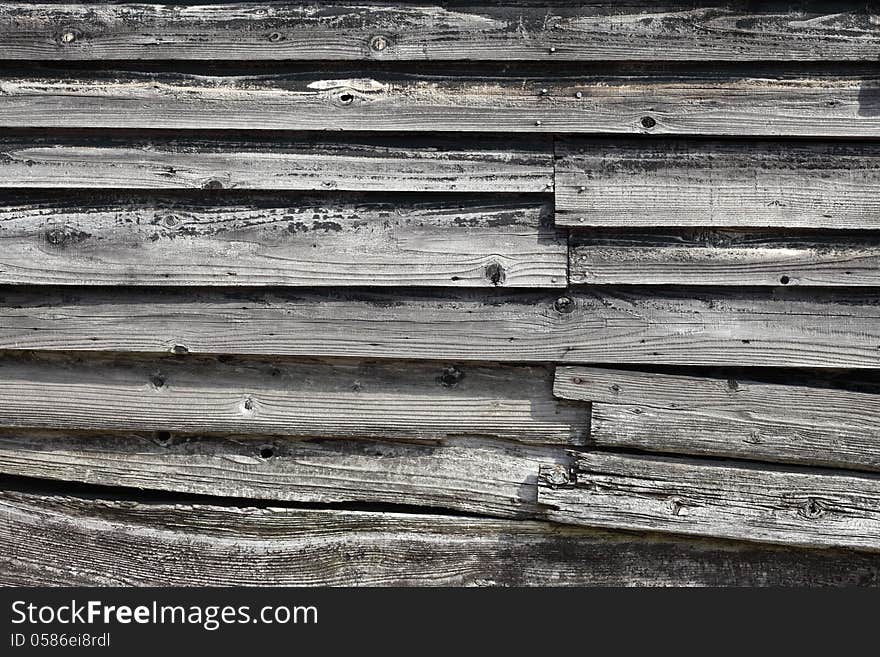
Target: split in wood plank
{"points": [[729, 417], [260, 240], [707, 498]]}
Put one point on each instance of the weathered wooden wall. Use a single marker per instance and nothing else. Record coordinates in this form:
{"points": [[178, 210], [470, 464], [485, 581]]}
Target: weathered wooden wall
{"points": [[466, 293]]}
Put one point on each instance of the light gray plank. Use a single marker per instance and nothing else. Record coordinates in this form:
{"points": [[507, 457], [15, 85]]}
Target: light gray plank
{"points": [[784, 327], [691, 183], [469, 242], [464, 102], [440, 31], [725, 257], [732, 417], [710, 499], [54, 540], [424, 401]]}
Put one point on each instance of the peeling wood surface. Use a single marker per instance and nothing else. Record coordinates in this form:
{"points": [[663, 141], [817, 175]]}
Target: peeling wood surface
{"points": [[731, 417], [702, 497], [463, 241], [725, 184]]}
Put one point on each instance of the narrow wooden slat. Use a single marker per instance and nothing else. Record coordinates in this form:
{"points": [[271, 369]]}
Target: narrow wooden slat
{"points": [[694, 183], [473, 475], [732, 417], [704, 498], [277, 162], [441, 31], [469, 242], [718, 257], [788, 327], [343, 399], [474, 102], [55, 540]]}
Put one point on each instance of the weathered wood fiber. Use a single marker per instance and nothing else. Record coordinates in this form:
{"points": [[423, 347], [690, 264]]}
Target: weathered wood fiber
{"points": [[725, 257], [441, 31], [779, 327], [81, 541], [277, 162], [841, 106], [471, 242], [695, 183], [424, 401], [688, 496], [473, 475], [732, 417]]}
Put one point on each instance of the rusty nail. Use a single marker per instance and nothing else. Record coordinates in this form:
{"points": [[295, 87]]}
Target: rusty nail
{"points": [[544, 92], [579, 95], [275, 36], [378, 43], [582, 189], [537, 123], [552, 50], [68, 37], [563, 305]]}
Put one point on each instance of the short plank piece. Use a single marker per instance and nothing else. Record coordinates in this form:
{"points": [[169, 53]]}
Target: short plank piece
{"points": [[783, 327], [473, 475], [439, 31], [424, 401], [57, 540], [277, 162], [635, 184], [469, 242], [460, 101], [725, 257], [731, 417], [706, 498]]}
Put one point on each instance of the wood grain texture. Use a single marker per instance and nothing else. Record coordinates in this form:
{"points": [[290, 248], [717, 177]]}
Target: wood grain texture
{"points": [[732, 417], [726, 184], [473, 475], [836, 106], [277, 162], [470, 242], [706, 498], [101, 542], [340, 399], [441, 31], [780, 327], [725, 257]]}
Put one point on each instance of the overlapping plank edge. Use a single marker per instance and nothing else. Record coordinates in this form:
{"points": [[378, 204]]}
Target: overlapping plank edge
{"points": [[385, 100], [776, 327], [809, 423], [738, 257], [418, 401], [259, 239], [806, 508], [99, 541], [664, 182], [441, 31]]}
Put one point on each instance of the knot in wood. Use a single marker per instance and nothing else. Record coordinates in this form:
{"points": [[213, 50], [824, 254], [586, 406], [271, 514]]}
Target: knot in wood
{"points": [[812, 509], [451, 376], [648, 122]]}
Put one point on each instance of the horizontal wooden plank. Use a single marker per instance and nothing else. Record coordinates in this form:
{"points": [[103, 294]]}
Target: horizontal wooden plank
{"points": [[473, 475], [732, 417], [710, 499], [56, 540], [307, 398], [695, 103], [470, 242], [695, 183], [782, 327], [277, 162], [725, 257], [440, 31]]}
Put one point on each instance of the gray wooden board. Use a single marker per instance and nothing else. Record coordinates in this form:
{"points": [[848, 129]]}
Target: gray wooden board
{"points": [[381, 101], [732, 417], [62, 540], [779, 327], [473, 475], [425, 401], [707, 183], [725, 257], [711, 498], [277, 162], [467, 241], [441, 31]]}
